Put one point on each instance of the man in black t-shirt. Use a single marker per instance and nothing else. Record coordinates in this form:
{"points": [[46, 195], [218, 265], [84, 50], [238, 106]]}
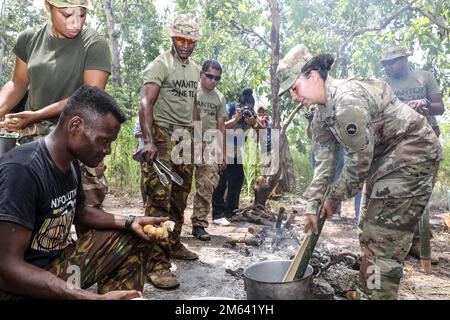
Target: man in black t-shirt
{"points": [[41, 196]]}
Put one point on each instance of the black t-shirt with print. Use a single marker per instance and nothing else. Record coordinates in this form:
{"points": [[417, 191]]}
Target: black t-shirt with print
{"points": [[35, 194]]}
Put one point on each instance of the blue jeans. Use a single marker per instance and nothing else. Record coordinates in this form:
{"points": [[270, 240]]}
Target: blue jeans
{"points": [[231, 181]]}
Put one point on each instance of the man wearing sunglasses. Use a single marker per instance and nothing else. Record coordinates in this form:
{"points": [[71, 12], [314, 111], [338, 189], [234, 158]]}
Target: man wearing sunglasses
{"points": [[213, 113], [167, 105], [420, 90]]}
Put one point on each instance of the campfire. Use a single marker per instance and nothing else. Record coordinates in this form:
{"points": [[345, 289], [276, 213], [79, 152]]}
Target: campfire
{"points": [[278, 235]]}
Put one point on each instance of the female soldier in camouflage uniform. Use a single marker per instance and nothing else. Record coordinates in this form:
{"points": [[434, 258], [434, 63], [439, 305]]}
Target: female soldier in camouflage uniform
{"points": [[386, 144]]}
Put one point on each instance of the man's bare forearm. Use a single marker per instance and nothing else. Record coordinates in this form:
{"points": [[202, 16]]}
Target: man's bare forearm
{"points": [[97, 219], [24, 279], [149, 95]]}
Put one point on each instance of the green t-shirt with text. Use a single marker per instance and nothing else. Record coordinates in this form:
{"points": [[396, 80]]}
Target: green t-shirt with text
{"points": [[178, 89], [419, 84], [212, 106], [56, 66]]}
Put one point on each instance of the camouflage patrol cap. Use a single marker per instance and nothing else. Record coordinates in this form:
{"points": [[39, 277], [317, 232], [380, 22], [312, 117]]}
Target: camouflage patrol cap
{"points": [[290, 66], [395, 52], [185, 26], [69, 3]]}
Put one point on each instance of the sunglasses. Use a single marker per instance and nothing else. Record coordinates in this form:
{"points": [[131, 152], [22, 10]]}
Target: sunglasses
{"points": [[211, 76], [183, 41], [391, 62]]}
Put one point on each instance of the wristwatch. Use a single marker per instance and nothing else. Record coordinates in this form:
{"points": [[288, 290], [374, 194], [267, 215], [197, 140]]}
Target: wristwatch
{"points": [[427, 102], [129, 222]]}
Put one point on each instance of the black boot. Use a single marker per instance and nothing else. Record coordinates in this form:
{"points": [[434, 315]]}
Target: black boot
{"points": [[200, 233]]}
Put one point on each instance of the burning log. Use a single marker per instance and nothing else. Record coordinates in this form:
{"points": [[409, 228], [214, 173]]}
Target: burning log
{"points": [[247, 239], [256, 213], [290, 218], [281, 213]]}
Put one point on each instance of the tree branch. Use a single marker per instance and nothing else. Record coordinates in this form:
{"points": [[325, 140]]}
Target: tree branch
{"points": [[290, 118], [441, 24], [365, 30], [249, 32]]}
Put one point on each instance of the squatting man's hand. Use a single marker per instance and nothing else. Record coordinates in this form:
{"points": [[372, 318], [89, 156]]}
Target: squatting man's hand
{"points": [[140, 222], [328, 210]]}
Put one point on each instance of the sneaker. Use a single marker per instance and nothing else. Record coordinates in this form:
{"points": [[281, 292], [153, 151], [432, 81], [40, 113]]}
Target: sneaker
{"points": [[221, 222], [336, 217], [179, 251], [163, 279], [200, 233]]}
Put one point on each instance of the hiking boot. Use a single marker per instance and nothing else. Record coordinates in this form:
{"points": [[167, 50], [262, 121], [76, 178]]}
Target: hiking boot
{"points": [[179, 251], [163, 279], [415, 252], [200, 233], [221, 222]]}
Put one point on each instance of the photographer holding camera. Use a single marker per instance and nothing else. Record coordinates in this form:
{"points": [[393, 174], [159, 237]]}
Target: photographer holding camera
{"points": [[242, 115]]}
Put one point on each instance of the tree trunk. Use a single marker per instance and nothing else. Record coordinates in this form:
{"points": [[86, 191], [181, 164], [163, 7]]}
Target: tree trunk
{"points": [[108, 6], [2, 54], [275, 59], [264, 186], [288, 183]]}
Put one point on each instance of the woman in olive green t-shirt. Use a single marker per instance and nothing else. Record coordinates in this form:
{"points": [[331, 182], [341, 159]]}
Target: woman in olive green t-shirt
{"points": [[52, 62]]}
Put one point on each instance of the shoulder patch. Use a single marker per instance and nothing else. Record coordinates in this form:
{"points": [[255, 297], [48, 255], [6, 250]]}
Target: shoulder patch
{"points": [[351, 129]]}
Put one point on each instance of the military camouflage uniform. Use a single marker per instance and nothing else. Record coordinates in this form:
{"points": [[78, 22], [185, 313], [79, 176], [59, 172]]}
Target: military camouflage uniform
{"points": [[419, 84], [206, 179], [166, 201], [393, 149], [115, 260], [178, 82], [387, 146]]}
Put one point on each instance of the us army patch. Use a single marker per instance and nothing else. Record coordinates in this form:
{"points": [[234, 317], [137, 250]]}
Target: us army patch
{"points": [[351, 129]]}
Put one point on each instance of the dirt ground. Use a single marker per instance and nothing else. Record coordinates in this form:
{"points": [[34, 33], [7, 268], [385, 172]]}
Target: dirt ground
{"points": [[207, 277]]}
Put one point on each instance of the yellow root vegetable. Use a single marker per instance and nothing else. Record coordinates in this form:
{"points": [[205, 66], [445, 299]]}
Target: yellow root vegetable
{"points": [[10, 121], [160, 232]]}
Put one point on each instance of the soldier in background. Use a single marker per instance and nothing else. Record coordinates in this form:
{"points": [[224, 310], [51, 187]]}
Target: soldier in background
{"points": [[419, 90], [212, 107], [386, 144], [168, 104]]}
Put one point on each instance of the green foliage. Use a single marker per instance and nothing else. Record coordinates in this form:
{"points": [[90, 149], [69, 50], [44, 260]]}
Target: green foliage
{"points": [[12, 22], [236, 33], [123, 172]]}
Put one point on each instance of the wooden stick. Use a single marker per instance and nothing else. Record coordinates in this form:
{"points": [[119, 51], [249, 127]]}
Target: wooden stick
{"points": [[298, 266], [425, 247]]}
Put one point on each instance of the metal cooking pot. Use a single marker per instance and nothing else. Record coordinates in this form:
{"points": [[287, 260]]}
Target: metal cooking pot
{"points": [[6, 144], [263, 281]]}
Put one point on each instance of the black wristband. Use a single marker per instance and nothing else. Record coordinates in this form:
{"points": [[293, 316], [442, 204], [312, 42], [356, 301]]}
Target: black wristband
{"points": [[129, 222]]}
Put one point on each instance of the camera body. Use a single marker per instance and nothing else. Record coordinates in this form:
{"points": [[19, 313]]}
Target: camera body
{"points": [[248, 112]]}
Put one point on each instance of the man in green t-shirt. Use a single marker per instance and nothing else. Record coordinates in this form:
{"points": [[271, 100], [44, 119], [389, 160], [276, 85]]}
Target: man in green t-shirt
{"points": [[420, 90], [213, 113], [167, 106], [417, 88]]}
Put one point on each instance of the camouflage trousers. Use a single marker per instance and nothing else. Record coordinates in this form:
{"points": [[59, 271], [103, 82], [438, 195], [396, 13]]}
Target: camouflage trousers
{"points": [[168, 201], [94, 182], [115, 260], [206, 179], [390, 211]]}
